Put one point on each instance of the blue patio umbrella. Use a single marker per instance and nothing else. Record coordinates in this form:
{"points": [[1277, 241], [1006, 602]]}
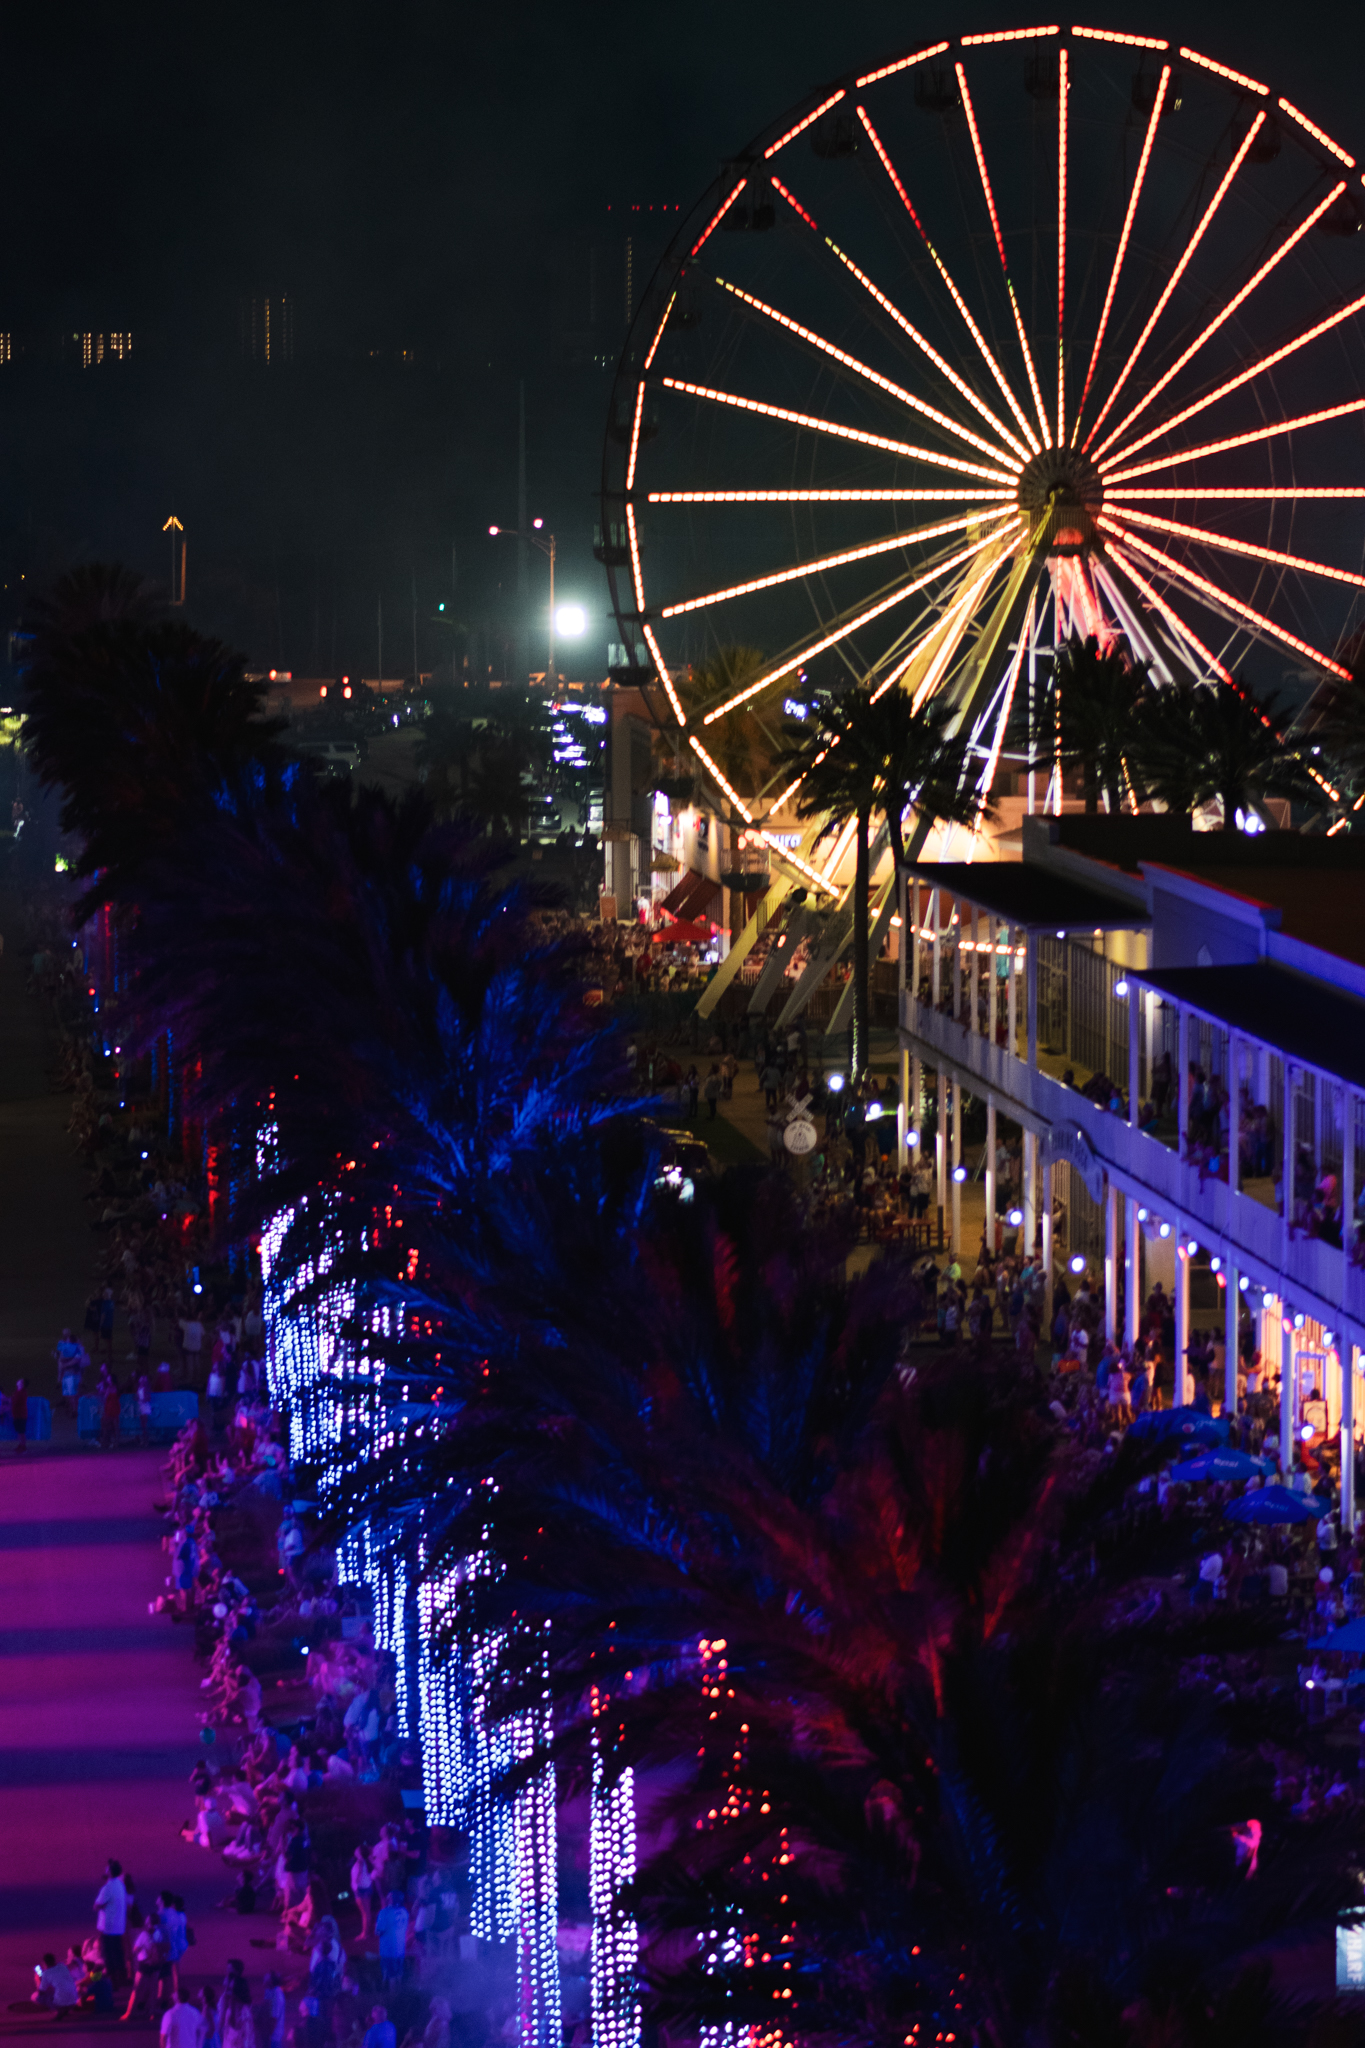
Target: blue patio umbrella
{"points": [[1272, 1504], [1350, 1637], [1179, 1426], [1223, 1463]]}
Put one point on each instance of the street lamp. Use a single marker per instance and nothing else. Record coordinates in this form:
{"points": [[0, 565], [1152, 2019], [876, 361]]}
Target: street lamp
{"points": [[546, 543]]}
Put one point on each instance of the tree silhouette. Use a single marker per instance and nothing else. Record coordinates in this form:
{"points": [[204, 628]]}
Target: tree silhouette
{"points": [[1220, 742], [859, 758]]}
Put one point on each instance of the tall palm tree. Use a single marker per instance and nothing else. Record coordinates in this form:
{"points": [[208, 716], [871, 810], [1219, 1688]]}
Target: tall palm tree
{"points": [[134, 718], [1219, 742], [1097, 695], [861, 758]]}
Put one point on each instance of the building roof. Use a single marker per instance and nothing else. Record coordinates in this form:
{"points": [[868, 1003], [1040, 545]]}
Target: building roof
{"points": [[1031, 896], [1307, 1020]]}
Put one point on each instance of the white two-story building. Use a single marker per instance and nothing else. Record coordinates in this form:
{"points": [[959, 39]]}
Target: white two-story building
{"points": [[1176, 1023]]}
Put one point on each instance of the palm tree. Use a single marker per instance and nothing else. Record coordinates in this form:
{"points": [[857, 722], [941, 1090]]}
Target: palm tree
{"points": [[467, 725], [1097, 696], [860, 757], [134, 718], [1220, 742], [737, 743], [952, 1744]]}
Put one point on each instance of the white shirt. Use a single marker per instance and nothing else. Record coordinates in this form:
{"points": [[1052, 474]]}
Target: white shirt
{"points": [[180, 2026], [111, 1901]]}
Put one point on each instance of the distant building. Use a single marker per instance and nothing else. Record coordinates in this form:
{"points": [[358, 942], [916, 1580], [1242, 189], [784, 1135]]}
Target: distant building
{"points": [[265, 329]]}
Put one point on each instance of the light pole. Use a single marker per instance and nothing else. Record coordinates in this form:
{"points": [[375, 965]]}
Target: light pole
{"points": [[538, 537]]}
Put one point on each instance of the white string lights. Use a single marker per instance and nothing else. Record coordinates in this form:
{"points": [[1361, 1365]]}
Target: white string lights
{"points": [[611, 1866]]}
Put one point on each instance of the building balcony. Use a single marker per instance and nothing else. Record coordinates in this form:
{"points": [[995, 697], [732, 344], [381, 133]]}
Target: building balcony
{"points": [[1238, 1224]]}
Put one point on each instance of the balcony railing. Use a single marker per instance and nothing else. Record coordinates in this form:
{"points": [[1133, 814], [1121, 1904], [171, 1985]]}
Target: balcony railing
{"points": [[1253, 1233]]}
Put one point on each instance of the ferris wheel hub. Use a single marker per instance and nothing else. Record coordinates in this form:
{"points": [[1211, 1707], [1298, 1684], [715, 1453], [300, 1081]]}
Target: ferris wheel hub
{"points": [[1062, 495]]}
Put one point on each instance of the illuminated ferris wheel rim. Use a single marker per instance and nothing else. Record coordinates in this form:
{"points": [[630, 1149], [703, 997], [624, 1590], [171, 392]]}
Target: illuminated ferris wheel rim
{"points": [[1065, 478]]}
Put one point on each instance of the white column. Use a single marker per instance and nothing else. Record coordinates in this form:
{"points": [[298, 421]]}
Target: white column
{"points": [[1132, 1270], [1182, 1320], [1031, 982], [1111, 1259], [957, 1161], [1134, 1041], [936, 949], [1234, 1114], [990, 1176], [993, 988], [941, 1149], [1047, 1249], [1182, 1081], [916, 1093], [1289, 1405], [1286, 1161], [1012, 999], [1348, 1182], [1348, 1435], [903, 1110], [1232, 1316], [1030, 1164], [905, 953]]}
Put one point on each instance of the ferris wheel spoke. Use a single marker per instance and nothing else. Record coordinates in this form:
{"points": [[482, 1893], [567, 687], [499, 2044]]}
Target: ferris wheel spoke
{"points": [[954, 463], [1231, 384], [863, 370], [1222, 600], [837, 561], [1229, 546], [1125, 234], [863, 618], [1187, 256], [959, 384], [1063, 97], [834, 495], [1306, 419], [987, 354], [980, 155], [1290, 243], [1253, 491]]}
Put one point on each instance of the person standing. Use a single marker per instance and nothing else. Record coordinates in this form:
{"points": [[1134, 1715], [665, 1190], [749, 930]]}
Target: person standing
{"points": [[392, 1929], [712, 1088], [110, 1407], [191, 1346], [111, 1909], [181, 2023], [18, 1415]]}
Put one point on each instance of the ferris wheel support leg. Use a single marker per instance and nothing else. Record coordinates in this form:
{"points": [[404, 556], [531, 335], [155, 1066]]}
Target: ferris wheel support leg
{"points": [[971, 689], [768, 906]]}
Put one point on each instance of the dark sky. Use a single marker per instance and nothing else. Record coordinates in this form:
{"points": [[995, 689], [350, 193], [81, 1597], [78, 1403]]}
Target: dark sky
{"points": [[417, 177]]}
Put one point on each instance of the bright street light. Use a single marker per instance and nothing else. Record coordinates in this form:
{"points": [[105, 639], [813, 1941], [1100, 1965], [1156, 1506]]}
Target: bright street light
{"points": [[571, 620]]}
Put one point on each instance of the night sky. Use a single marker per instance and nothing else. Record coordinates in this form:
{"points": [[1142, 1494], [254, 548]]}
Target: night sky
{"points": [[428, 184]]}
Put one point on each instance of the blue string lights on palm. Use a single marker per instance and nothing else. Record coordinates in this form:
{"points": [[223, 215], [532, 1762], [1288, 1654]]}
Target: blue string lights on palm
{"points": [[316, 1370]]}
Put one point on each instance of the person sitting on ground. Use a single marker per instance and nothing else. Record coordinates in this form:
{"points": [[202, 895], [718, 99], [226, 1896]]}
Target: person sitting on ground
{"points": [[55, 1987]]}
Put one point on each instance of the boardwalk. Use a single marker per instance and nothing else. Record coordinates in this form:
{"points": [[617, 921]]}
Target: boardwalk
{"points": [[97, 1698]]}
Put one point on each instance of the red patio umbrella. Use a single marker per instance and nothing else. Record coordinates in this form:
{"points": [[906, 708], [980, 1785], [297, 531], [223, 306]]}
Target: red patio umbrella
{"points": [[682, 934]]}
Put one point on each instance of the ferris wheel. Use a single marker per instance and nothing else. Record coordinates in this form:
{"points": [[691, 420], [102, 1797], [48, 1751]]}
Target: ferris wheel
{"points": [[1013, 336]]}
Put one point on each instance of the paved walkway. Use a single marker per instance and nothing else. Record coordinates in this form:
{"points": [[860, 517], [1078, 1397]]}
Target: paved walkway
{"points": [[98, 1698]]}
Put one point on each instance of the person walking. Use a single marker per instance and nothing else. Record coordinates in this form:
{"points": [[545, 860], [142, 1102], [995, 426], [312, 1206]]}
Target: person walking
{"points": [[111, 1909], [362, 1889]]}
